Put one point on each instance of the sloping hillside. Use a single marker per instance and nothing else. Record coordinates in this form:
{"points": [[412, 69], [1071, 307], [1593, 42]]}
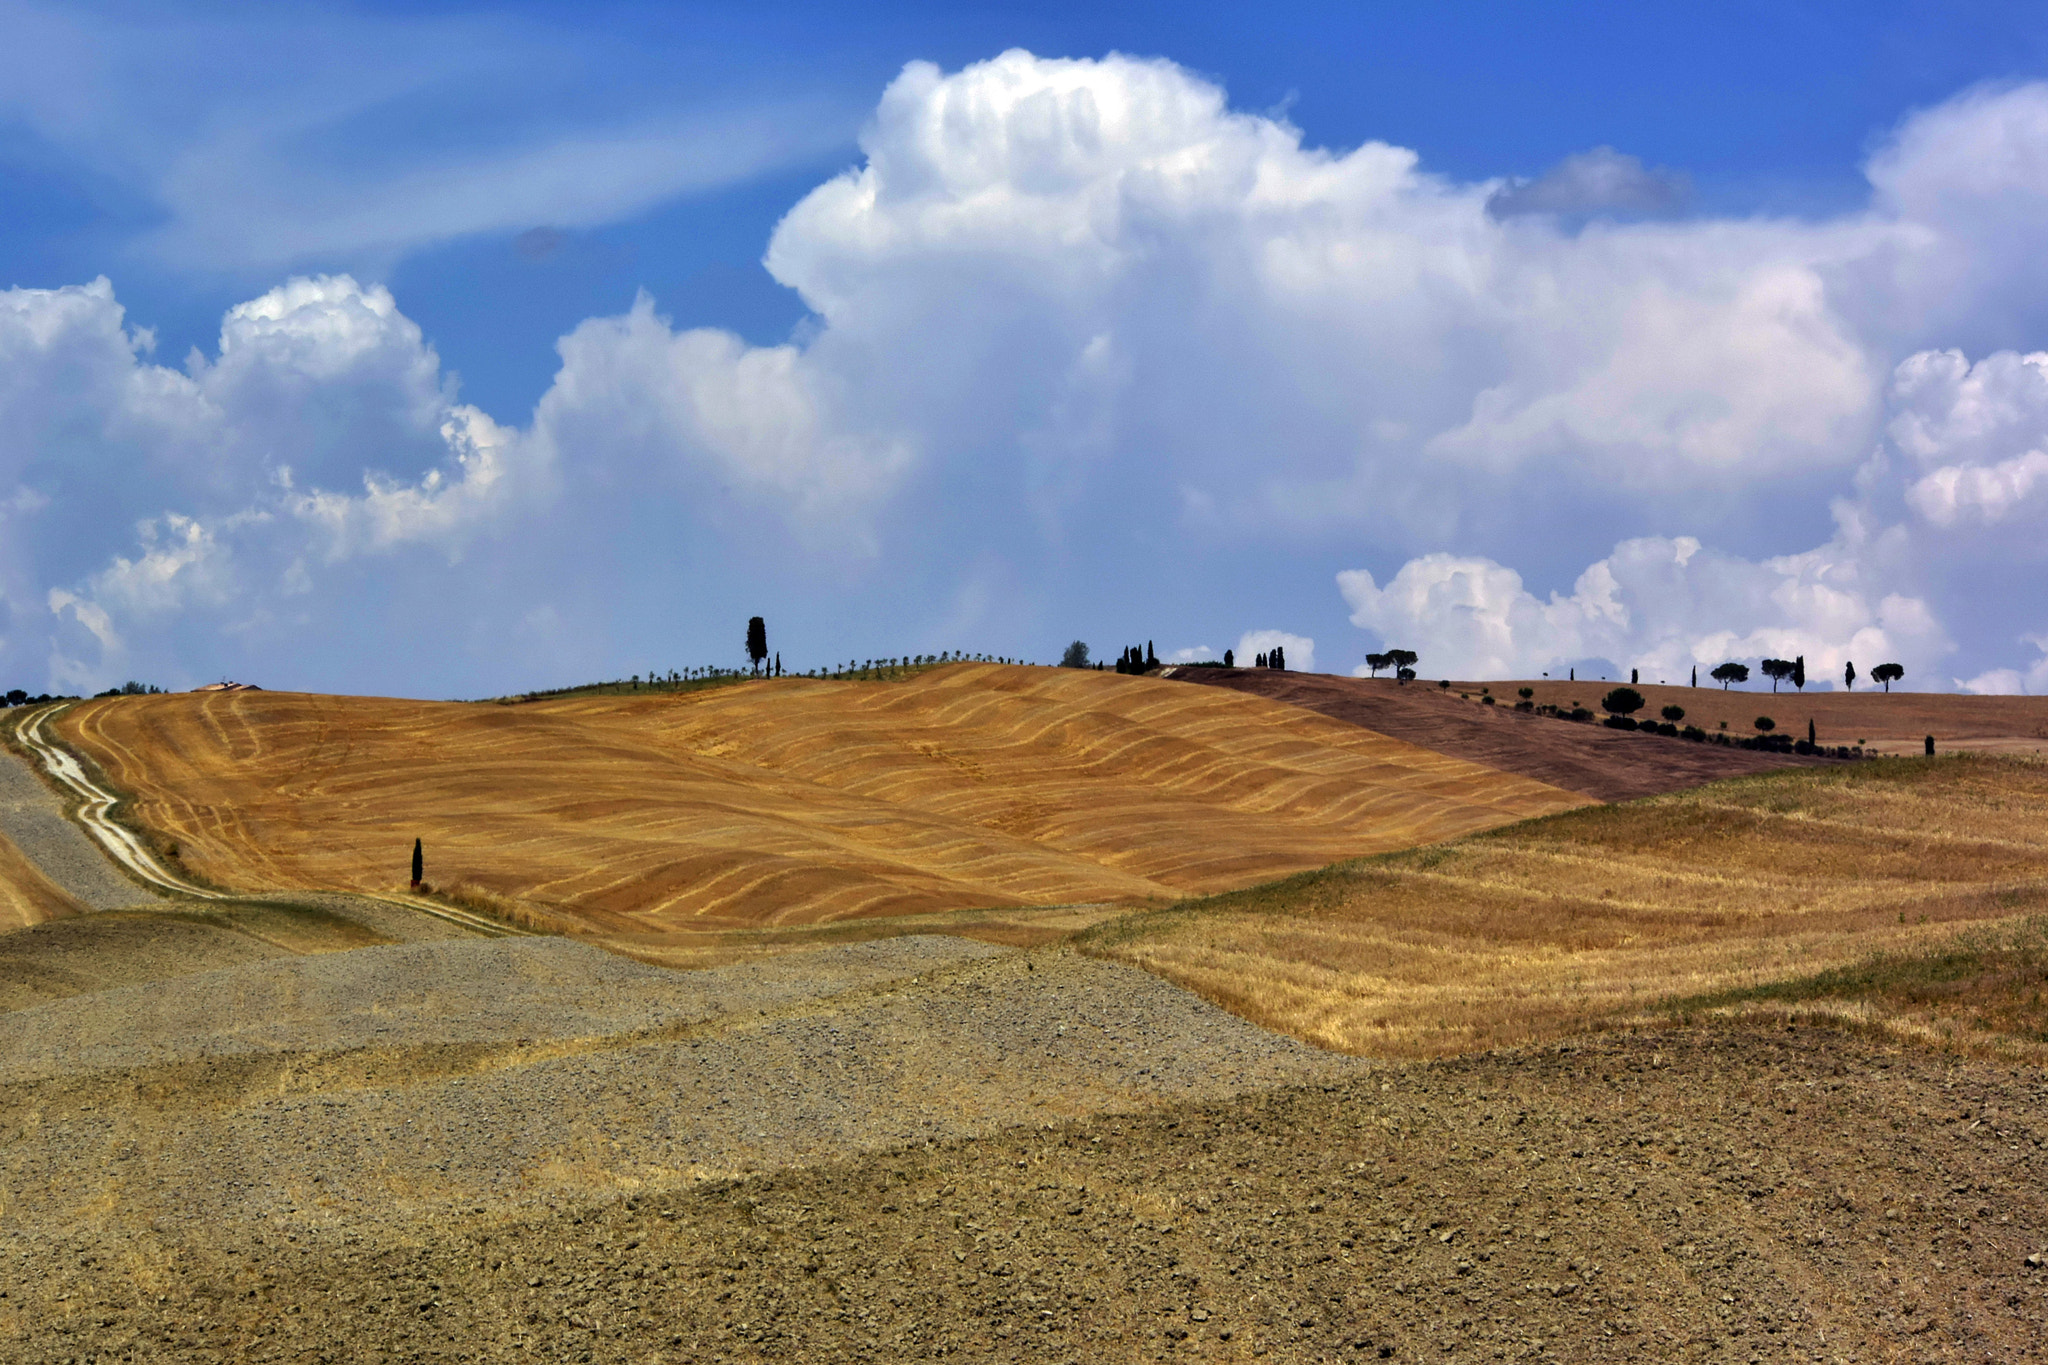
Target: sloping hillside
{"points": [[1611, 765], [787, 802], [1889, 722], [1546, 929]]}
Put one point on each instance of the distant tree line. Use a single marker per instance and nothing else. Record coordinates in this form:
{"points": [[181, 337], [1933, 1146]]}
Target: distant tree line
{"points": [[1793, 670], [1136, 660], [1622, 703], [18, 697], [761, 662]]}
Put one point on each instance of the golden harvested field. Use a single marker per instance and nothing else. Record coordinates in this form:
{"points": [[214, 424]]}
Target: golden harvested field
{"points": [[26, 895], [787, 802], [1550, 927]]}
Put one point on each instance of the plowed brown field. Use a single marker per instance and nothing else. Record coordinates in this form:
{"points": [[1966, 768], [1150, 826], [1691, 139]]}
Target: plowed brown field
{"points": [[786, 802], [1612, 765], [1895, 722]]}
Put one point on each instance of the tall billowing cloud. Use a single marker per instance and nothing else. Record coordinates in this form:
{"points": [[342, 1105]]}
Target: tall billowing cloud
{"points": [[1091, 351], [1663, 606]]}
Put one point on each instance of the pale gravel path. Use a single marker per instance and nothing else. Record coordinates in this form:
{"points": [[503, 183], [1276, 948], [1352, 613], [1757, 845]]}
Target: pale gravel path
{"points": [[32, 817]]}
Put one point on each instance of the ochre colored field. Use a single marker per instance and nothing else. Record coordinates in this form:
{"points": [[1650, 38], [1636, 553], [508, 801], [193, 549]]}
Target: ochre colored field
{"points": [[786, 802], [1538, 931], [26, 895]]}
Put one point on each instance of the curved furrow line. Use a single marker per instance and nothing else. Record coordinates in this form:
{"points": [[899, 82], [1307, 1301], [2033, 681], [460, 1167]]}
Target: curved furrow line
{"points": [[124, 847]]}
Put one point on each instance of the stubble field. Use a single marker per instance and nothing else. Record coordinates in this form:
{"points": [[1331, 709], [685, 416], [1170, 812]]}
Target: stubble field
{"points": [[782, 803], [1547, 928]]}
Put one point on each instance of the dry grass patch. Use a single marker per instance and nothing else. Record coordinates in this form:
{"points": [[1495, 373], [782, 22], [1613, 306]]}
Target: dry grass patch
{"points": [[1560, 924], [1982, 992]]}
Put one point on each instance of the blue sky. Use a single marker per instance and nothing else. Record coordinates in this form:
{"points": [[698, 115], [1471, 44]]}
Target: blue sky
{"points": [[450, 351]]}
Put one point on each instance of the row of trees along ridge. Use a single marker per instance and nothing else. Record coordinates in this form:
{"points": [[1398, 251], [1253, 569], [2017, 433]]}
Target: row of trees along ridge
{"points": [[1794, 672]]}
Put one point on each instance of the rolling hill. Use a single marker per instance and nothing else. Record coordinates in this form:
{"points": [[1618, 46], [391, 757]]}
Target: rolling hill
{"points": [[789, 802]]}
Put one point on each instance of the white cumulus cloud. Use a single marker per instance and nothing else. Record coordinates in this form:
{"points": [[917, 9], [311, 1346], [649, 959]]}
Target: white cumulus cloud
{"points": [[1663, 606], [1086, 339]]}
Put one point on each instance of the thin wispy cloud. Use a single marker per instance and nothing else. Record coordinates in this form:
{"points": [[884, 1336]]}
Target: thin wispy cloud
{"points": [[261, 141]]}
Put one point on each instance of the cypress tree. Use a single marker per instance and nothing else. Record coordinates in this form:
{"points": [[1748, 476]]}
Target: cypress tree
{"points": [[419, 864]]}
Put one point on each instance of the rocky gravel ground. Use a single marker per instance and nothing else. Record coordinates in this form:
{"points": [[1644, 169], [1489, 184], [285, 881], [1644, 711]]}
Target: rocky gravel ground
{"points": [[413, 1082], [1710, 1195]]}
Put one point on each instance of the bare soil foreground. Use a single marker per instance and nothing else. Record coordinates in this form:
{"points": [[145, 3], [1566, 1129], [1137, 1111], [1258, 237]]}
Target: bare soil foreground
{"points": [[1681, 1195], [1608, 765], [787, 802]]}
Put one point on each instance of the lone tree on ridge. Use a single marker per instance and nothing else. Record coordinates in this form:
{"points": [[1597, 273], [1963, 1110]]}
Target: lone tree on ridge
{"points": [[1622, 701], [1849, 676], [1076, 655], [1402, 661], [1730, 672], [1799, 673], [1376, 662], [1777, 670], [757, 641], [1887, 674]]}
